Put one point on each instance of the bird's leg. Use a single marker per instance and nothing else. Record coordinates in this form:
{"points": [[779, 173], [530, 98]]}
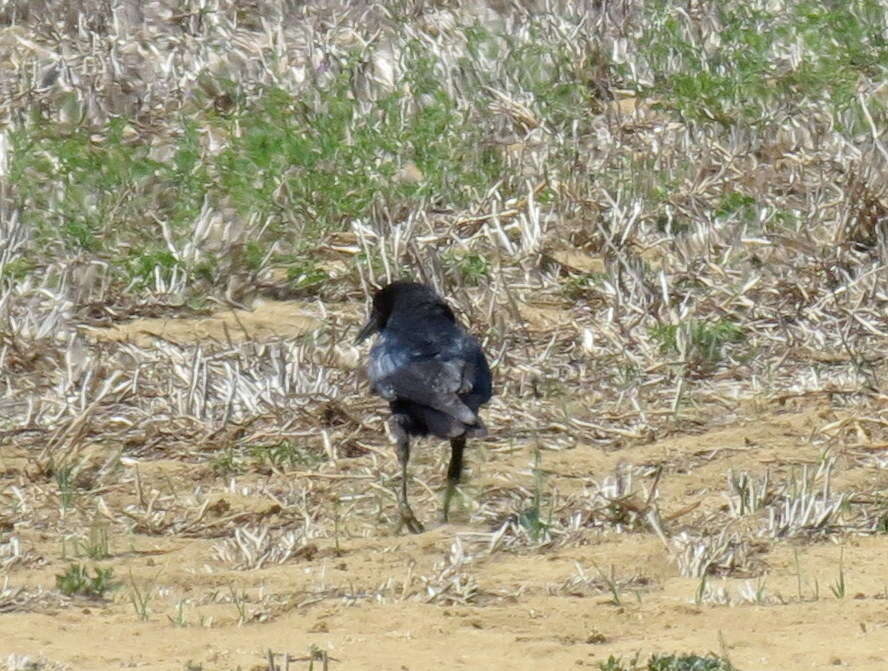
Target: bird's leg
{"points": [[402, 447], [454, 471]]}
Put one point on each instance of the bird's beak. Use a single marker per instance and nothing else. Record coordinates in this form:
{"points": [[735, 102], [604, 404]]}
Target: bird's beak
{"points": [[371, 327]]}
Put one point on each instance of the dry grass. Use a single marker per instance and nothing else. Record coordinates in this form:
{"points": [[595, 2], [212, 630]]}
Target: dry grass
{"points": [[639, 261]]}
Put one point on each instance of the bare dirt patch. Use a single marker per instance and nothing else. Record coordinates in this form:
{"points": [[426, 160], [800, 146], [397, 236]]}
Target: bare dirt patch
{"points": [[267, 319]]}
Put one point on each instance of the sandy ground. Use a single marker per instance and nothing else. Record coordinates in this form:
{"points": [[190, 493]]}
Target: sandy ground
{"points": [[374, 602]]}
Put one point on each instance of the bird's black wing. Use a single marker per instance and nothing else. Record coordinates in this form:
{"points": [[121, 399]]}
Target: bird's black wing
{"points": [[433, 379], [477, 386]]}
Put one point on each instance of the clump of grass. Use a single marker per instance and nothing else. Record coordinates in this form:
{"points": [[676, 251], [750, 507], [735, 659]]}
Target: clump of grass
{"points": [[275, 457], [76, 581], [229, 462], [747, 493], [96, 545], [839, 587], [64, 477], [700, 344], [680, 662], [531, 518], [473, 268], [239, 601], [283, 455], [140, 597], [303, 274], [253, 548]]}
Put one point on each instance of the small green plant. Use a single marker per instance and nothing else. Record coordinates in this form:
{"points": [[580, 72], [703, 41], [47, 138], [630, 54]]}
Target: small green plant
{"points": [[700, 592], [77, 581], [734, 203], [303, 274], [579, 286], [179, 620], [96, 544], [228, 462], [473, 268], [531, 518], [144, 264], [683, 662], [610, 580], [798, 567], [758, 590], [337, 526], [16, 269], [839, 587], [317, 654], [140, 597], [283, 455], [700, 343], [64, 476], [239, 600], [815, 593]]}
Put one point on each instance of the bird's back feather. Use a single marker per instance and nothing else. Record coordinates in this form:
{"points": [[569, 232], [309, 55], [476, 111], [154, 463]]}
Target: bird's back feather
{"points": [[433, 372]]}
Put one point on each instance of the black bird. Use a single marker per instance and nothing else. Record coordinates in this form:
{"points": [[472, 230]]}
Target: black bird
{"points": [[433, 374]]}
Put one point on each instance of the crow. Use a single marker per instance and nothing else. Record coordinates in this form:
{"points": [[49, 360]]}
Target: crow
{"points": [[433, 374]]}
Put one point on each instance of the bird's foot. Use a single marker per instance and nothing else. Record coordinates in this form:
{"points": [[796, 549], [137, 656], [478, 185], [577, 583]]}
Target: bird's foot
{"points": [[408, 519], [448, 496]]}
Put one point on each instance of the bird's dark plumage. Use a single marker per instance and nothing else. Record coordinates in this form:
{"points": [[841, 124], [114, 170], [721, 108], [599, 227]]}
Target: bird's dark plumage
{"points": [[433, 374]]}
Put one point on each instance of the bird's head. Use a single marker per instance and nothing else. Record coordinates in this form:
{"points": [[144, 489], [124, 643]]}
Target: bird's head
{"points": [[398, 296]]}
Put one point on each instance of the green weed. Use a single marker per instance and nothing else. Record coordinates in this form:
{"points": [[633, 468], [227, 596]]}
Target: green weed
{"points": [[140, 597], [473, 268], [701, 343], [96, 544], [740, 78], [76, 581], [839, 587], [286, 454], [65, 479], [531, 518], [684, 662]]}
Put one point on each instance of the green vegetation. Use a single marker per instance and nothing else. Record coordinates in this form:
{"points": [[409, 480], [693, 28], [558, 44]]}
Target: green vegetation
{"points": [[531, 519], [140, 596], [301, 165], [285, 455], [746, 72], [701, 343], [473, 268], [76, 581], [95, 545], [289, 168], [685, 662]]}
